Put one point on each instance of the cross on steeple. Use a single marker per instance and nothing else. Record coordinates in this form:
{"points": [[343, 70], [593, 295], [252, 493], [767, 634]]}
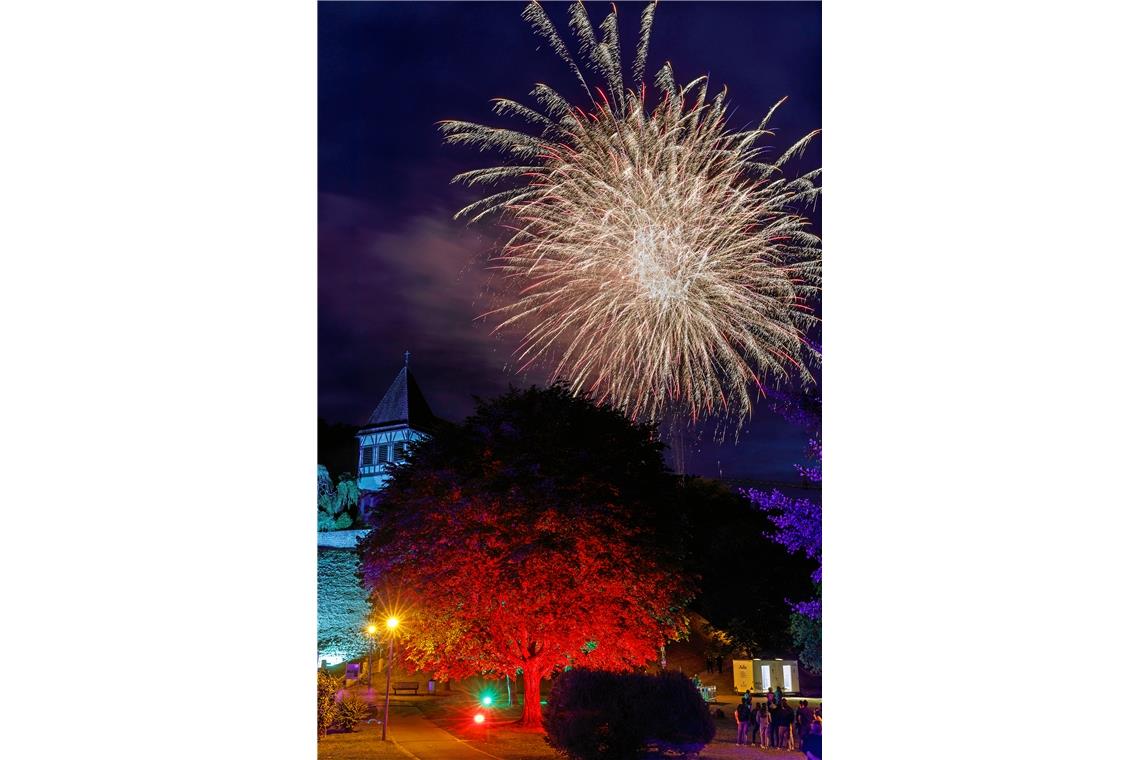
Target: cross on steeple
{"points": [[407, 356]]}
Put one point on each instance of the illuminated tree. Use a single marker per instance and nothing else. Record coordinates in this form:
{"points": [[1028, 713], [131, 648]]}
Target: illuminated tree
{"points": [[799, 525], [725, 534], [522, 541], [336, 507], [798, 522]]}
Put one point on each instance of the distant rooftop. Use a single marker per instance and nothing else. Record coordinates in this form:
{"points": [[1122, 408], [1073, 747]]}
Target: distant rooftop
{"points": [[403, 404]]}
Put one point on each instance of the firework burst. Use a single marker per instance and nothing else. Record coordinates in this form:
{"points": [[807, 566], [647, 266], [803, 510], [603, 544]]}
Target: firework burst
{"points": [[660, 262]]}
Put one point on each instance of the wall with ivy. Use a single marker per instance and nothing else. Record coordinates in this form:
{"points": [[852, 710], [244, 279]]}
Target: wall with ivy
{"points": [[342, 607]]}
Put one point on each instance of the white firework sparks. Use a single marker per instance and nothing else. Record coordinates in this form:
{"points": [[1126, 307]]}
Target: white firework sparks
{"points": [[661, 263]]}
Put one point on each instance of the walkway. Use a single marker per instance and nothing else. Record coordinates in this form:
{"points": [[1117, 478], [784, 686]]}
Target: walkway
{"points": [[417, 737], [411, 732], [424, 740]]}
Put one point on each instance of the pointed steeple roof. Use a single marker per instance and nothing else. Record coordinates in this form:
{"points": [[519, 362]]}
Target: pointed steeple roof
{"points": [[403, 404]]}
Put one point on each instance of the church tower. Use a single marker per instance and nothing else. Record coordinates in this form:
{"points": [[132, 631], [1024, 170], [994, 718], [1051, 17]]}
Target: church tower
{"points": [[401, 416]]}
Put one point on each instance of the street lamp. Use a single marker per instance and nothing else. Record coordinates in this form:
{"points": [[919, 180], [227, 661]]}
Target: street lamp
{"points": [[393, 624], [371, 642]]}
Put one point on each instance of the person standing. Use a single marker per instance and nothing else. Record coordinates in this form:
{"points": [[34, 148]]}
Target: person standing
{"points": [[743, 718], [783, 721], [709, 663], [760, 720], [773, 727], [813, 744], [804, 718]]}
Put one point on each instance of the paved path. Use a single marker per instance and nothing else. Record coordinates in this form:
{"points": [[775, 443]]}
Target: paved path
{"points": [[417, 736], [426, 741], [421, 739], [727, 751]]}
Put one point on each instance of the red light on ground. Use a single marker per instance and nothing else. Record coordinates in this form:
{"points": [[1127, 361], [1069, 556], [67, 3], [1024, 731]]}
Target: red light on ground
{"points": [[479, 717]]}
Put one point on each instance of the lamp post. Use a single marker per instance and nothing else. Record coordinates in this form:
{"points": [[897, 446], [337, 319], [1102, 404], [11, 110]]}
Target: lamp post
{"points": [[371, 643], [393, 624]]}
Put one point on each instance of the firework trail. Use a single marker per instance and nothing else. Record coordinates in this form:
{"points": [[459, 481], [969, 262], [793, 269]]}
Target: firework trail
{"points": [[660, 262]]}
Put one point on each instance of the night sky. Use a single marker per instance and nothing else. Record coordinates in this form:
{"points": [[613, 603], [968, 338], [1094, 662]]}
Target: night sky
{"points": [[395, 272]]}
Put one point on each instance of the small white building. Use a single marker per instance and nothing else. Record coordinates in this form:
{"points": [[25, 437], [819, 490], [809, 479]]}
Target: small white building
{"points": [[761, 675]]}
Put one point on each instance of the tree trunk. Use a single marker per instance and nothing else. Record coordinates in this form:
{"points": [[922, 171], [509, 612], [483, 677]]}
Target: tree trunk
{"points": [[532, 696]]}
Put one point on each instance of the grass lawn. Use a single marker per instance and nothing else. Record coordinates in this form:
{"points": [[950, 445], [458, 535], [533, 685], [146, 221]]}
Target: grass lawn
{"points": [[362, 744], [500, 735]]}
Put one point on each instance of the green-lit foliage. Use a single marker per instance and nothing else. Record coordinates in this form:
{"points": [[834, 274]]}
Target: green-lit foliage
{"points": [[807, 633], [337, 506]]}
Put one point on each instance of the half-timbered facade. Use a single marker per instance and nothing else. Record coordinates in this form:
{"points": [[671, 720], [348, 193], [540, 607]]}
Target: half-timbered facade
{"points": [[401, 417]]}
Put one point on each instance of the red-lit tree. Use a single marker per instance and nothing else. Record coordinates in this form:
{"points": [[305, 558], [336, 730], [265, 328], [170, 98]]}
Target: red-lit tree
{"points": [[520, 541]]}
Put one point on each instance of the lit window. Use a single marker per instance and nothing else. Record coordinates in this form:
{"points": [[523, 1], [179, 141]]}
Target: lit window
{"points": [[400, 452]]}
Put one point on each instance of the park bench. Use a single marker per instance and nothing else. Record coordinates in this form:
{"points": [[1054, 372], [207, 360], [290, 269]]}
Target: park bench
{"points": [[411, 686]]}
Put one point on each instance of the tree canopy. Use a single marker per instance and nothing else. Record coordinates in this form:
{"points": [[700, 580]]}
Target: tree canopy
{"points": [[337, 506], [798, 527], [745, 575], [521, 540]]}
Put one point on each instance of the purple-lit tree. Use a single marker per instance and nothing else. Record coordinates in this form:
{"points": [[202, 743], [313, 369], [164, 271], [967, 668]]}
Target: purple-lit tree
{"points": [[798, 529], [799, 524]]}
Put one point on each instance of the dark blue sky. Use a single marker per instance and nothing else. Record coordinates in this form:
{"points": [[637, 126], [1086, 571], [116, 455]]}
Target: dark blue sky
{"points": [[395, 272]]}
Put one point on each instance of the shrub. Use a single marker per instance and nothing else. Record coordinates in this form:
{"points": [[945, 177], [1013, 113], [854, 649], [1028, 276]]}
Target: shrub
{"points": [[326, 701], [596, 715], [680, 719], [588, 717], [349, 712]]}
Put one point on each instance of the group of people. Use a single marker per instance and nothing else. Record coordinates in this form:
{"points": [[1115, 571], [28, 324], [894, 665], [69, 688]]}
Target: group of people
{"points": [[777, 725]]}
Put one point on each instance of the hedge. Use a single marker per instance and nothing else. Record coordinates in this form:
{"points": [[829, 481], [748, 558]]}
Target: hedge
{"points": [[599, 715]]}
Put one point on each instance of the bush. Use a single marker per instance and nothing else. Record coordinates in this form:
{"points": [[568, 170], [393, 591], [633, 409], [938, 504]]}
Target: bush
{"points": [[680, 719], [596, 715], [326, 701], [349, 712]]}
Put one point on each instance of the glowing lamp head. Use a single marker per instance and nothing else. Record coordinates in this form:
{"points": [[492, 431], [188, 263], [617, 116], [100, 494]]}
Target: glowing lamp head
{"points": [[487, 700], [393, 623], [372, 630], [480, 717]]}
